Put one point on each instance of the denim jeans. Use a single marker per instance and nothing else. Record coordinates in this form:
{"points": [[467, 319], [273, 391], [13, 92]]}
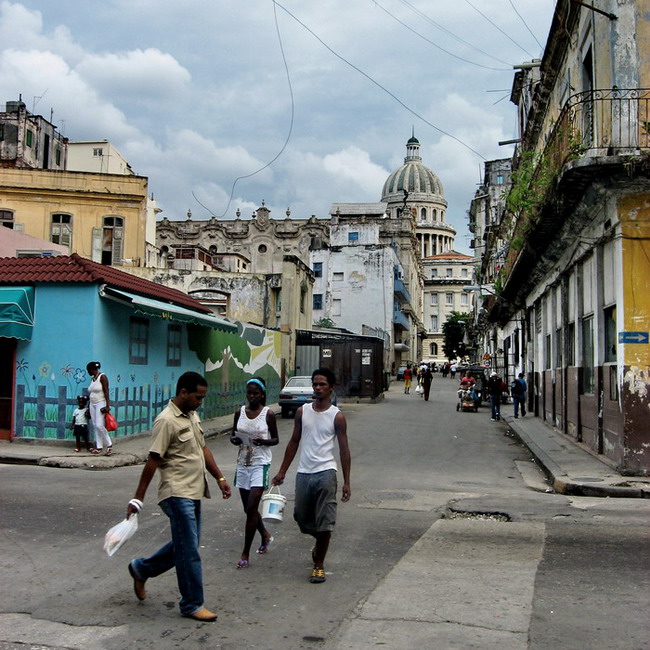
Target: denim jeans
{"points": [[182, 552], [519, 400], [495, 405]]}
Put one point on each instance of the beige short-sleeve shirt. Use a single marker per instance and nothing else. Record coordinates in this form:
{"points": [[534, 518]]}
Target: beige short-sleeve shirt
{"points": [[178, 439]]}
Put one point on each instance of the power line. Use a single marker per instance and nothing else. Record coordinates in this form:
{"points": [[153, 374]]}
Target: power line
{"points": [[512, 4], [499, 28], [450, 33], [286, 141], [367, 76], [424, 38]]}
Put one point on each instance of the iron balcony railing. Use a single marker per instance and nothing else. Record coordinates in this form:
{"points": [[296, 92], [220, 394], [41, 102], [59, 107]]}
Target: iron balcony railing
{"points": [[601, 123]]}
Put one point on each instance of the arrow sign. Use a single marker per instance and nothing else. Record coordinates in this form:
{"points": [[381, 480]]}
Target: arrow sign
{"points": [[633, 337]]}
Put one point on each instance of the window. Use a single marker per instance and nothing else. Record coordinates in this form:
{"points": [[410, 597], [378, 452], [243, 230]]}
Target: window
{"points": [[353, 236], [434, 323], [138, 340], [569, 345], [450, 273], [434, 273], [7, 218], [318, 301], [433, 349], [499, 179], [174, 333], [338, 276], [112, 238], [29, 136], [464, 299], [57, 156], [464, 273], [423, 214], [547, 350], [434, 299], [336, 307], [610, 334], [587, 357], [61, 229], [318, 269], [449, 299], [262, 248], [97, 152], [558, 348]]}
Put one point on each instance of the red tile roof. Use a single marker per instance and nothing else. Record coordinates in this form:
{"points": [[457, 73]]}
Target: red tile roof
{"points": [[449, 255], [74, 269]]}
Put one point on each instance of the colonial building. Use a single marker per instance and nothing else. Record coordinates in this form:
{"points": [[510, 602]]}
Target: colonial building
{"points": [[446, 278], [102, 213], [572, 305]]}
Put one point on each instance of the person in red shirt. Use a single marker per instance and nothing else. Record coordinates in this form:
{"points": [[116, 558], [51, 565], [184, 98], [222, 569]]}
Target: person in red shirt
{"points": [[408, 378]]}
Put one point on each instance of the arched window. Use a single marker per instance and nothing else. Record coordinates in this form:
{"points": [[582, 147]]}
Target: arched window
{"points": [[434, 350], [423, 214], [112, 241], [61, 229], [434, 214]]}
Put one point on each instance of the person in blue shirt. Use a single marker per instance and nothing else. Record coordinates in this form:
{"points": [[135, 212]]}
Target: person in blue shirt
{"points": [[518, 390]]}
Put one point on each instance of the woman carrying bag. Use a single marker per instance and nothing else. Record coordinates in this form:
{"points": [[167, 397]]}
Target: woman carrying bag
{"points": [[98, 407]]}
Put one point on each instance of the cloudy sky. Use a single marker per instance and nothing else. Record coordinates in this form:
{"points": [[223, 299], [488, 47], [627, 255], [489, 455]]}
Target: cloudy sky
{"points": [[200, 95]]}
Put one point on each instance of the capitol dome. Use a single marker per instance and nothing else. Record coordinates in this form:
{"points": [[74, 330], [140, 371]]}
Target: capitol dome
{"points": [[419, 181]]}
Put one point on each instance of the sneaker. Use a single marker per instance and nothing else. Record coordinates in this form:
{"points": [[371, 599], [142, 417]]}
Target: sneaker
{"points": [[492, 420], [317, 575]]}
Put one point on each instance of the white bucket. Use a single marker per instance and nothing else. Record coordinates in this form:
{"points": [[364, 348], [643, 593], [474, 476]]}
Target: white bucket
{"points": [[273, 505]]}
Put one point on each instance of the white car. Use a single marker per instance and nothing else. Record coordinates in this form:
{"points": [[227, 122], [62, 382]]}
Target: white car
{"points": [[296, 392]]}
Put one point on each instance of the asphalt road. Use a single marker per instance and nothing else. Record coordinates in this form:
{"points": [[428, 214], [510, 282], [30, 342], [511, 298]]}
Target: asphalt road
{"points": [[414, 563]]}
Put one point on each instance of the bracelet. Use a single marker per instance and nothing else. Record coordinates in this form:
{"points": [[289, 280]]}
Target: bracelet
{"points": [[137, 504], [221, 480]]}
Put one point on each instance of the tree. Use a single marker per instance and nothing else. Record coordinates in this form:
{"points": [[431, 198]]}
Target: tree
{"points": [[453, 331]]}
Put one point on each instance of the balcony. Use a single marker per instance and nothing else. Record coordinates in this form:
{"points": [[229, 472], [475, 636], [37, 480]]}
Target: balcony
{"points": [[401, 291], [400, 320]]}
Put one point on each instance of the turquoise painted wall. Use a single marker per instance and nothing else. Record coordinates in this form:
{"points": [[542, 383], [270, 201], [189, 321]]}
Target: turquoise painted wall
{"points": [[75, 325]]}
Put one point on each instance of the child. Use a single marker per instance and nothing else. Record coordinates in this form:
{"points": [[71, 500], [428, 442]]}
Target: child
{"points": [[80, 423], [259, 431]]}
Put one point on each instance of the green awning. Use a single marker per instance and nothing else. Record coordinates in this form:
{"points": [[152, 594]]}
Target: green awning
{"points": [[166, 311], [17, 312]]}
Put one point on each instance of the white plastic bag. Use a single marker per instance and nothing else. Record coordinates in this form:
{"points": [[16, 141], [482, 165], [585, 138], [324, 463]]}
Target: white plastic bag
{"points": [[418, 389], [119, 534]]}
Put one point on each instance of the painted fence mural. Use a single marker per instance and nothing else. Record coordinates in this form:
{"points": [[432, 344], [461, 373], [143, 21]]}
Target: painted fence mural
{"points": [[46, 397]]}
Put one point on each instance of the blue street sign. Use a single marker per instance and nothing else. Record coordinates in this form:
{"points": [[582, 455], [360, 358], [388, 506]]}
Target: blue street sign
{"points": [[633, 337]]}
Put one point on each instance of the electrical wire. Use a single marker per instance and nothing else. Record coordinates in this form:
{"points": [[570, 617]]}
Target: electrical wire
{"points": [[450, 33], [521, 47], [367, 76], [512, 4], [286, 141], [442, 49]]}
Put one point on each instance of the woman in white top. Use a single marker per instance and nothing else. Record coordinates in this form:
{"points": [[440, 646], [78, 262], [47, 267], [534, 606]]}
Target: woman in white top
{"points": [[99, 405], [255, 431]]}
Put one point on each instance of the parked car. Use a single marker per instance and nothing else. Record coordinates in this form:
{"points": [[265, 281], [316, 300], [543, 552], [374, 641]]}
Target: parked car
{"points": [[296, 392]]}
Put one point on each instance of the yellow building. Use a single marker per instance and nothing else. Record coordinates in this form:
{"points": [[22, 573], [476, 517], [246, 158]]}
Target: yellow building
{"points": [[99, 216]]}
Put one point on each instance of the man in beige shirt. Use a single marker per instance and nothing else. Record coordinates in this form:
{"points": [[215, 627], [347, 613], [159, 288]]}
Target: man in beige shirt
{"points": [[178, 450]]}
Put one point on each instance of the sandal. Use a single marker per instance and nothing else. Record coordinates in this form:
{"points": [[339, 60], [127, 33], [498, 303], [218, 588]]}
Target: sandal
{"points": [[317, 575], [77, 450], [265, 547], [96, 452], [242, 564], [109, 451]]}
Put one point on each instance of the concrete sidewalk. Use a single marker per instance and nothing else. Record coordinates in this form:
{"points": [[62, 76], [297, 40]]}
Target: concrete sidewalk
{"points": [[570, 468]]}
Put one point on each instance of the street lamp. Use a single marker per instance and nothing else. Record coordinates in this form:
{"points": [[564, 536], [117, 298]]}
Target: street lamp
{"points": [[489, 289]]}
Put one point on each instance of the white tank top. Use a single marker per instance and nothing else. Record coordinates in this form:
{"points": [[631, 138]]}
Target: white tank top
{"points": [[317, 440], [255, 428], [96, 390]]}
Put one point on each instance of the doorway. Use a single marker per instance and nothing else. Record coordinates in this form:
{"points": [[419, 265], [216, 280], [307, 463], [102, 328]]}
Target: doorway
{"points": [[7, 366]]}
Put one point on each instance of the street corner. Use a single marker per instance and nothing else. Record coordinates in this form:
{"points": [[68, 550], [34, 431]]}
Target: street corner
{"points": [[93, 462]]}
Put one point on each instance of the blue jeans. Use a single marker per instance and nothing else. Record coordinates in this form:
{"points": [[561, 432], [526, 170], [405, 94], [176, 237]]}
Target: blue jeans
{"points": [[182, 552], [519, 400], [495, 405]]}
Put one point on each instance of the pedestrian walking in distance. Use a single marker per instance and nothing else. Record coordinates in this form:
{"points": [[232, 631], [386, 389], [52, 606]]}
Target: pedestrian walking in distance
{"points": [[518, 390], [316, 428], [495, 389], [255, 431], [178, 450], [408, 378]]}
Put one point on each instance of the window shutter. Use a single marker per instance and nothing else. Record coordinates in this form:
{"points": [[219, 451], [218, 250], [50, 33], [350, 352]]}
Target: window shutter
{"points": [[97, 245], [117, 246]]}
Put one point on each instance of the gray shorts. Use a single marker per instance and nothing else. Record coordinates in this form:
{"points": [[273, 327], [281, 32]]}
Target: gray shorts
{"points": [[315, 506]]}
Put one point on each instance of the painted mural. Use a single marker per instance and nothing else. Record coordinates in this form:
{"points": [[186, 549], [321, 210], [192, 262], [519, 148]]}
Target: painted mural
{"points": [[46, 392]]}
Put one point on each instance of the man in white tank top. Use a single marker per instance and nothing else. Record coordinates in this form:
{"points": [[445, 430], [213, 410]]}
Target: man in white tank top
{"points": [[317, 426]]}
